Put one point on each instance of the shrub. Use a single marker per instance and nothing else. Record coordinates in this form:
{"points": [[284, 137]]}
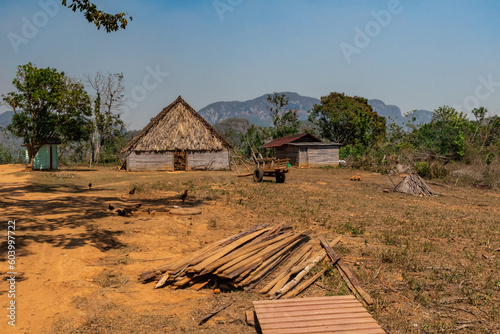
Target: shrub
{"points": [[422, 169], [437, 170]]}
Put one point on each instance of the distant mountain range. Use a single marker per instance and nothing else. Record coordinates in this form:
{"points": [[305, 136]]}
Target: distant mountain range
{"points": [[257, 112], [393, 114], [6, 118], [8, 142]]}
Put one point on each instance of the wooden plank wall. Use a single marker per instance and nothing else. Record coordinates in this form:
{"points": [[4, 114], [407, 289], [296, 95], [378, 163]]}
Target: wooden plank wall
{"points": [[303, 158], [142, 161], [323, 156], [288, 152], [200, 159]]}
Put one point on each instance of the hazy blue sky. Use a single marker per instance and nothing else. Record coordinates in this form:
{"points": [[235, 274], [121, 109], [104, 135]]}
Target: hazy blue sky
{"points": [[414, 54]]}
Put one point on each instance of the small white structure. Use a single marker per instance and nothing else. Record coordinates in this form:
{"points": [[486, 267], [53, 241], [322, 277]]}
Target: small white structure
{"points": [[45, 159]]}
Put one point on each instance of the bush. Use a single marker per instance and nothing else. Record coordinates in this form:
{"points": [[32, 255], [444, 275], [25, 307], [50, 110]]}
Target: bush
{"points": [[437, 170], [476, 173], [422, 169], [354, 151]]}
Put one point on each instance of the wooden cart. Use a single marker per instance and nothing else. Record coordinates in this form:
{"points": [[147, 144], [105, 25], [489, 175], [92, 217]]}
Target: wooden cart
{"points": [[270, 167]]}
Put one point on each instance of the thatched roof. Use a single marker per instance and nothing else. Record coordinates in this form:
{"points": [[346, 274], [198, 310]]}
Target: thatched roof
{"points": [[177, 127]]}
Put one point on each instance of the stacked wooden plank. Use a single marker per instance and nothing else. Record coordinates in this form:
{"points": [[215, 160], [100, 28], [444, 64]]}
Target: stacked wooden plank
{"points": [[338, 314], [239, 261], [286, 283], [244, 260]]}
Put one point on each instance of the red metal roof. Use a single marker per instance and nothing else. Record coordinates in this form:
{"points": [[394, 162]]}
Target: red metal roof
{"points": [[290, 139]]}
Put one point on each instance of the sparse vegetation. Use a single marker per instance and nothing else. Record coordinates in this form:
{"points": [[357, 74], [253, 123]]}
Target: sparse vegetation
{"points": [[451, 147], [436, 259]]}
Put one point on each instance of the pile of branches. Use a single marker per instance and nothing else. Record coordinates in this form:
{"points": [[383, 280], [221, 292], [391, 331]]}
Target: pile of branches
{"points": [[240, 261], [414, 185]]}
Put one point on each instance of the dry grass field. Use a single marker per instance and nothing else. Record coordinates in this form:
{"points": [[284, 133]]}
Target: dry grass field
{"points": [[432, 265]]}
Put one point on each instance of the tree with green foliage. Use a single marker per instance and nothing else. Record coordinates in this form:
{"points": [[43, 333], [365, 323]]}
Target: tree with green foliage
{"points": [[107, 126], [110, 22], [348, 120], [445, 135], [486, 129], [286, 122], [479, 114], [5, 155], [48, 107], [490, 133], [253, 139]]}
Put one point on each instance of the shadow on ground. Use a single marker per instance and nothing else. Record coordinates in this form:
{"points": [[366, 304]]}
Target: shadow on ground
{"points": [[76, 208]]}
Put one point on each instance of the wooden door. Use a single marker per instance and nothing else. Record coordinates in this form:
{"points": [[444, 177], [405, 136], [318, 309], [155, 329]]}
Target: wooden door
{"points": [[180, 160], [51, 157], [303, 157]]}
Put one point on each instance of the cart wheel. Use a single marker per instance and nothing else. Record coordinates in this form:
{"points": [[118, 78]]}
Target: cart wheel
{"points": [[258, 174], [280, 177]]}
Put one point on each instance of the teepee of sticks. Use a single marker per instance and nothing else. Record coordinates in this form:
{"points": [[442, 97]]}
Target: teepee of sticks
{"points": [[414, 185]]}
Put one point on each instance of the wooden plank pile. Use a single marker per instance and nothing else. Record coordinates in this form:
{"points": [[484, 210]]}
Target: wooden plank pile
{"points": [[240, 261], [299, 266], [244, 260], [346, 273]]}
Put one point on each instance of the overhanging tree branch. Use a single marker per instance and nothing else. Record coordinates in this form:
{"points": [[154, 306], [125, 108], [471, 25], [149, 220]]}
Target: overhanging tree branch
{"points": [[110, 22]]}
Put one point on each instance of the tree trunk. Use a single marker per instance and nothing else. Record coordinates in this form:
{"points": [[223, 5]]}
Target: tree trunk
{"points": [[31, 156], [29, 166], [97, 148], [91, 151]]}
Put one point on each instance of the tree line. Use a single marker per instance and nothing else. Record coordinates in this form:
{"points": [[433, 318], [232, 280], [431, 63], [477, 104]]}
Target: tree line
{"points": [[51, 107], [436, 149]]}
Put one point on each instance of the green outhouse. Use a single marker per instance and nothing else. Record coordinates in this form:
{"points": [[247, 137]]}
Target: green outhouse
{"points": [[45, 159]]}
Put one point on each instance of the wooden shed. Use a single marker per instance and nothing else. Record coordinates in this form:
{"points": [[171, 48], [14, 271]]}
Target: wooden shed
{"points": [[306, 150], [178, 138], [45, 159]]}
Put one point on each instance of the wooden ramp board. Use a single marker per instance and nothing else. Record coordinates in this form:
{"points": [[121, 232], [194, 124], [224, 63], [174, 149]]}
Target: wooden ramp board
{"points": [[337, 314]]}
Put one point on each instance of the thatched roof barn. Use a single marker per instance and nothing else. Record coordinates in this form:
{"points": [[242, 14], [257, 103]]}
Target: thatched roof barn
{"points": [[178, 138]]}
